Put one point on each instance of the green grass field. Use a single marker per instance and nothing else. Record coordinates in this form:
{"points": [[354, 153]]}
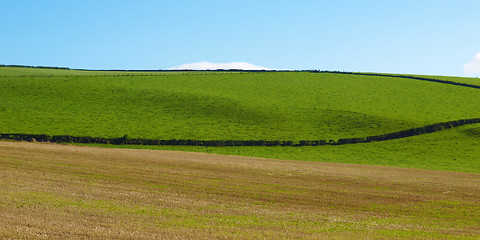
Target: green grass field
{"points": [[59, 191], [267, 106], [251, 106], [450, 150]]}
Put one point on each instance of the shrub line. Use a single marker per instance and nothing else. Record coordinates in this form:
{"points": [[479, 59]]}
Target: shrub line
{"points": [[125, 140], [403, 76]]}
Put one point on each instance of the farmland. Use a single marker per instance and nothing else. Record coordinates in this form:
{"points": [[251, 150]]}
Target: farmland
{"points": [[272, 106], [252, 106], [449, 150], [422, 186], [53, 191]]}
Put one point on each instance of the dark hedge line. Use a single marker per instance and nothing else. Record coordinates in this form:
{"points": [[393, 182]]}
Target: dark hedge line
{"points": [[409, 132], [139, 70], [175, 70], [218, 143], [404, 76], [24, 66]]}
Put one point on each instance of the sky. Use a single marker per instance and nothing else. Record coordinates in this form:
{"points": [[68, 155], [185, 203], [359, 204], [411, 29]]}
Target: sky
{"points": [[399, 36]]}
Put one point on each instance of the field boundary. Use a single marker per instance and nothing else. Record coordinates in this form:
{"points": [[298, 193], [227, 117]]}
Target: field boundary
{"points": [[403, 76], [167, 72], [125, 140]]}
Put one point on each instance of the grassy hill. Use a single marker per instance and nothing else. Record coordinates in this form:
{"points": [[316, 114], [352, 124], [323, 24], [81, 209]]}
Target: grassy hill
{"points": [[268, 106], [56, 191], [247, 106]]}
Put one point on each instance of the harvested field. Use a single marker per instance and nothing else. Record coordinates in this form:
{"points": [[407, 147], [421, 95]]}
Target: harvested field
{"points": [[61, 191]]}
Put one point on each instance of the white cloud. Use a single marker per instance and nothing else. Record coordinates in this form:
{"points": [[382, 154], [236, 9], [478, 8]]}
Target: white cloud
{"points": [[473, 67], [215, 66]]}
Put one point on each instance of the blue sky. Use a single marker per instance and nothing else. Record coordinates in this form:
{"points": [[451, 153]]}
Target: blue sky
{"points": [[423, 37]]}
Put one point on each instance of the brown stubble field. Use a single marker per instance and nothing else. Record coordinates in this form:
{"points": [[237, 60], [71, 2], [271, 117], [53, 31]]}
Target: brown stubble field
{"points": [[61, 191]]}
